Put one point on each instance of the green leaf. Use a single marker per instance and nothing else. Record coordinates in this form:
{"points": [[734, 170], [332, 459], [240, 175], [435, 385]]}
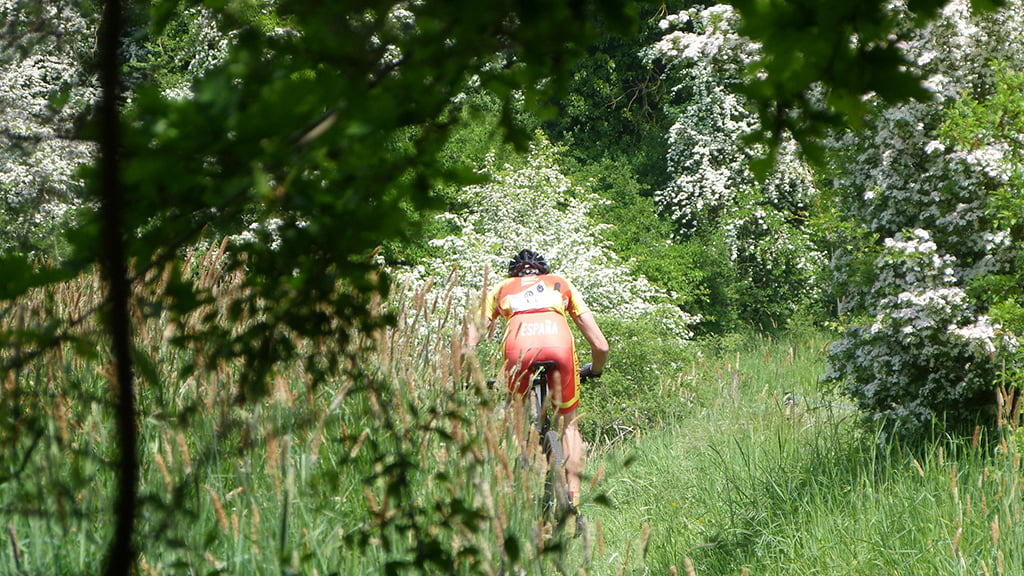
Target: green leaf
{"points": [[161, 12], [512, 548], [146, 367], [17, 274], [86, 348], [987, 5]]}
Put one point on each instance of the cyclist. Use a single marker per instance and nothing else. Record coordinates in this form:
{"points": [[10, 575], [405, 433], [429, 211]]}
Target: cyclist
{"points": [[536, 305]]}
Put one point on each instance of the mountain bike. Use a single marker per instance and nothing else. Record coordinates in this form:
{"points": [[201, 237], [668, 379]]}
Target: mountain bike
{"points": [[540, 444]]}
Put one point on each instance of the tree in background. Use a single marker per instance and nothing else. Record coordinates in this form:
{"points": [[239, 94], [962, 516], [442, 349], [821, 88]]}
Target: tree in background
{"points": [[532, 204], [45, 88], [922, 345], [614, 108], [713, 196], [48, 88], [986, 126], [820, 59], [330, 122]]}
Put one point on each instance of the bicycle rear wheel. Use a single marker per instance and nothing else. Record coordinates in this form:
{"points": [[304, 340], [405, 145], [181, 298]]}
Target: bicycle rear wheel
{"points": [[555, 495]]}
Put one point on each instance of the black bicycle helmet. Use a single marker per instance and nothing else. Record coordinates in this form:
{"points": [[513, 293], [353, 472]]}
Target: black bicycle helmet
{"points": [[527, 261]]}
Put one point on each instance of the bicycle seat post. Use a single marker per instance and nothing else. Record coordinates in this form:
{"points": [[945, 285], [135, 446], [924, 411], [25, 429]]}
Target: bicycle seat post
{"points": [[540, 391]]}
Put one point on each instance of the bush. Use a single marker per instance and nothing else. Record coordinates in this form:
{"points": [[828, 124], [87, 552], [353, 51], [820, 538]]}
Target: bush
{"points": [[922, 357], [644, 385]]}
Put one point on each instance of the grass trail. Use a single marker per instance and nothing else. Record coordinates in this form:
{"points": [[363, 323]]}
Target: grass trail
{"points": [[751, 484]]}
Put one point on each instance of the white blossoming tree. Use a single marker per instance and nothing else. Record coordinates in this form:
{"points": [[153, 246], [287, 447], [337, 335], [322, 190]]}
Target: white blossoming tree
{"points": [[922, 346], [534, 205], [44, 89], [925, 352], [48, 89], [987, 127], [713, 194]]}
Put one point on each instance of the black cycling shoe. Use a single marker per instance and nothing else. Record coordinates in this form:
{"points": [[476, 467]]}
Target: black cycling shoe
{"points": [[581, 522]]}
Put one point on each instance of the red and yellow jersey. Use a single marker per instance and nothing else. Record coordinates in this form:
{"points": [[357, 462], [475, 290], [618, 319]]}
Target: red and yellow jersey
{"points": [[526, 294], [537, 309]]}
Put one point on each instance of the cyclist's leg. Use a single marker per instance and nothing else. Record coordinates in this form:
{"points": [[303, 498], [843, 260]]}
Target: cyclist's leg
{"points": [[518, 358], [565, 396], [519, 406], [575, 456]]}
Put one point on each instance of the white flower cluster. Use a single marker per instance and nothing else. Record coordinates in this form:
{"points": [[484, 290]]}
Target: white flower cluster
{"points": [[402, 21], [709, 158], [45, 87], [535, 206], [912, 261], [706, 157], [210, 49], [929, 297], [266, 232], [925, 346], [926, 350], [920, 342], [906, 176], [908, 180], [714, 37], [42, 90], [991, 160]]}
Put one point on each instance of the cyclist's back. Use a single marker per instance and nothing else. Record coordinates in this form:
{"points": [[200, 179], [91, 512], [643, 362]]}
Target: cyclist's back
{"points": [[536, 308]]}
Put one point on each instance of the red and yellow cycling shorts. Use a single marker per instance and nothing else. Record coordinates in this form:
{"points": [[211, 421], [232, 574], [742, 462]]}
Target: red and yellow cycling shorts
{"points": [[540, 337]]}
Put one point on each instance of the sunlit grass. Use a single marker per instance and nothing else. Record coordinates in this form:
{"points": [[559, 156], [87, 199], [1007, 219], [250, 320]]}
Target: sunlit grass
{"points": [[406, 461], [753, 484]]}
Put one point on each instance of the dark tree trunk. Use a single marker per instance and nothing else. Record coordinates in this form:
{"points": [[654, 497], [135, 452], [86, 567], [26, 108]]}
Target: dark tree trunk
{"points": [[122, 551]]}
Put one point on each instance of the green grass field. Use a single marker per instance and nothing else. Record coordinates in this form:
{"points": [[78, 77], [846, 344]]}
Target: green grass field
{"points": [[751, 484], [405, 464]]}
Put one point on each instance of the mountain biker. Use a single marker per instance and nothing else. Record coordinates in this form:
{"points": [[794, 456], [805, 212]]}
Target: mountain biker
{"points": [[536, 305]]}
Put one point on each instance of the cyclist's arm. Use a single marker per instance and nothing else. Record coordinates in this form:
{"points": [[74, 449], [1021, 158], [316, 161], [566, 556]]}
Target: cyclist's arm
{"points": [[598, 343], [472, 335], [488, 315]]}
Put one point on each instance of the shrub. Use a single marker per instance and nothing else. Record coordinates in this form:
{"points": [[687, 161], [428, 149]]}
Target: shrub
{"points": [[644, 385], [923, 356], [714, 190], [926, 268]]}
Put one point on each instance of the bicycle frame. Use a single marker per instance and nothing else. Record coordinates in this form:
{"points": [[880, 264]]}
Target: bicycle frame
{"points": [[539, 397]]}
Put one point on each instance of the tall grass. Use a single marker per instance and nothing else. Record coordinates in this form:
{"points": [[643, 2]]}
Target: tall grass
{"points": [[727, 459], [405, 461], [760, 482]]}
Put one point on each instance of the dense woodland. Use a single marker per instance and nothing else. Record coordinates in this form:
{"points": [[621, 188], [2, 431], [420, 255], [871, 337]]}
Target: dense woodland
{"points": [[234, 229]]}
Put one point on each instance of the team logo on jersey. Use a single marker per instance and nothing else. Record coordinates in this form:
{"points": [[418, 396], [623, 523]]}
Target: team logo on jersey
{"points": [[535, 298]]}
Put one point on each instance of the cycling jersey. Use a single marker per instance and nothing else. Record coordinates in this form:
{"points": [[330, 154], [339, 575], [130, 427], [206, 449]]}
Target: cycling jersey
{"points": [[536, 308]]}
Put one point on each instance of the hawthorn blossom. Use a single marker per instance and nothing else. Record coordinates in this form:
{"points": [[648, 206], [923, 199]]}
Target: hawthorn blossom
{"points": [[921, 343], [534, 205], [43, 90], [712, 188]]}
